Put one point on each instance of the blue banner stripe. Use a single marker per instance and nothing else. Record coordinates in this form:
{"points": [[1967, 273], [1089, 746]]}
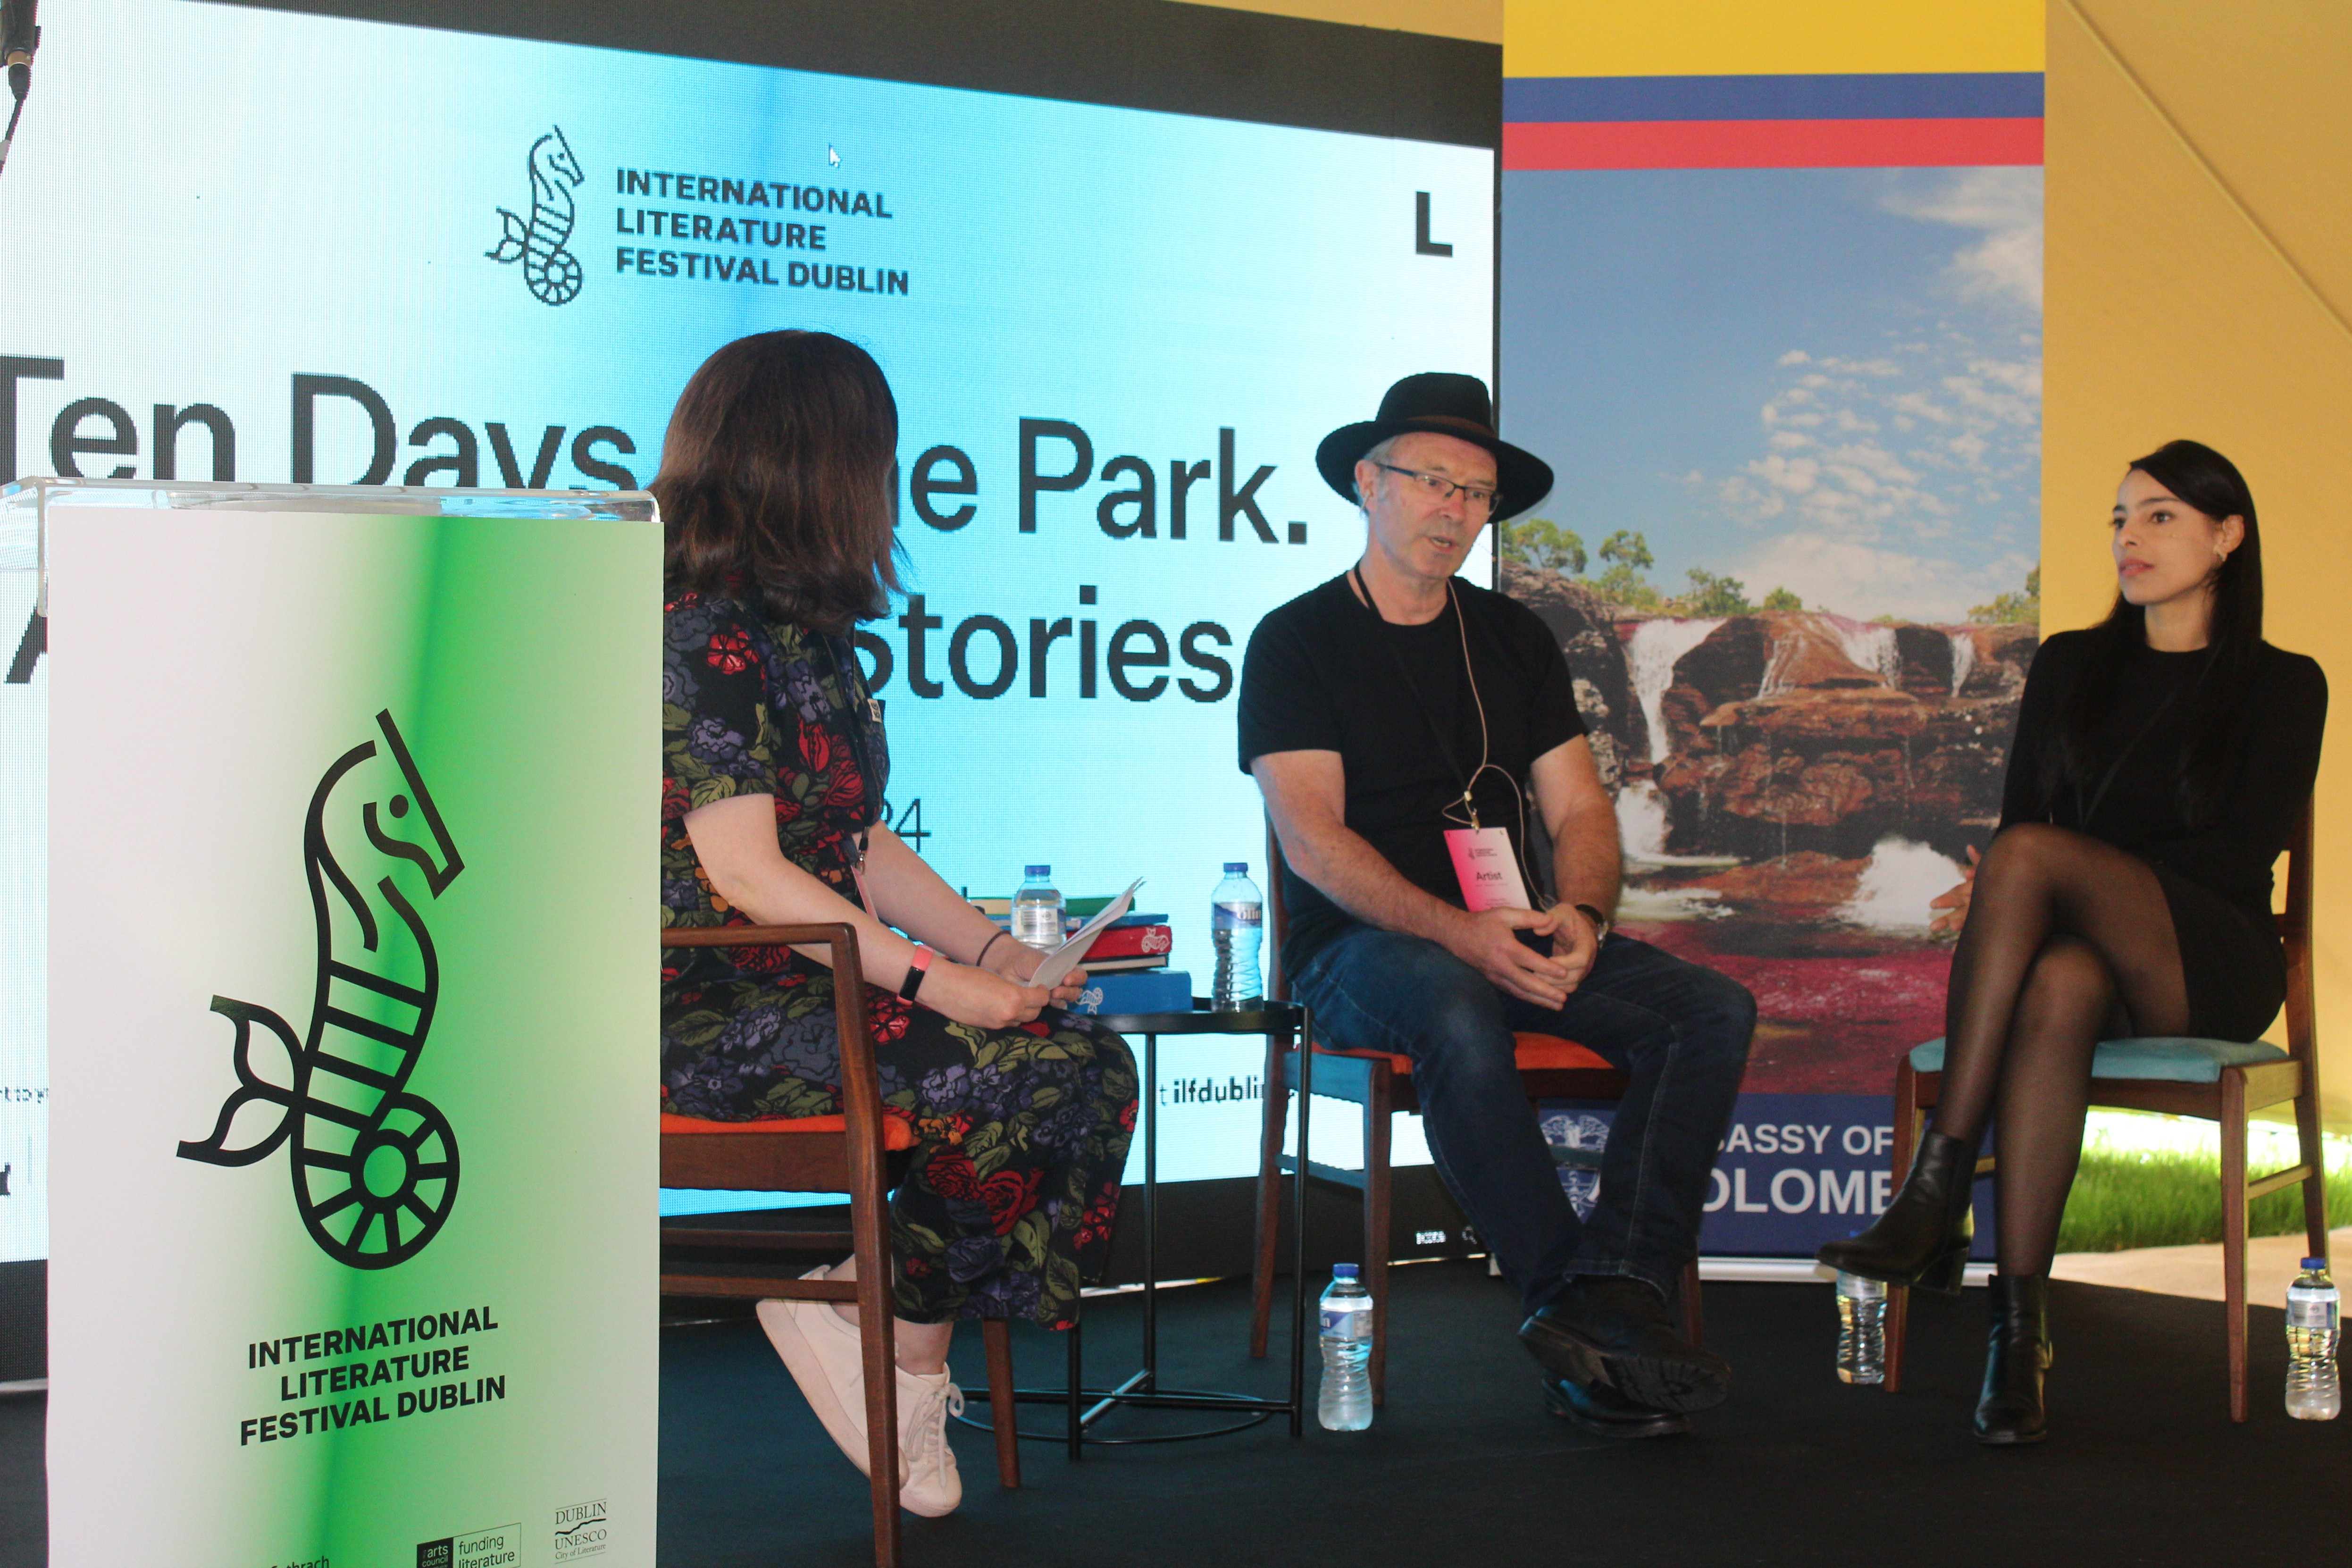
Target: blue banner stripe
{"points": [[1985, 94]]}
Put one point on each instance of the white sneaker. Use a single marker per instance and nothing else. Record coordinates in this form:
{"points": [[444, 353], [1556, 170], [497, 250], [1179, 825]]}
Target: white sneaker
{"points": [[931, 1486], [825, 1357]]}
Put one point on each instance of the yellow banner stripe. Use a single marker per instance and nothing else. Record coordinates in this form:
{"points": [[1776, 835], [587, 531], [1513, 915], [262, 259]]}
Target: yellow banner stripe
{"points": [[1770, 38]]}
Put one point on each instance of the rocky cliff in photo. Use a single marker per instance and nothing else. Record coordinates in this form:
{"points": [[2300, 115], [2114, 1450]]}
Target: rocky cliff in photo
{"points": [[1808, 731], [1758, 736]]}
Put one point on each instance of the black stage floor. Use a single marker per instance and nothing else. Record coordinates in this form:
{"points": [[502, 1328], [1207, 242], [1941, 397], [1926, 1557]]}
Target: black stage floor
{"points": [[1464, 1465]]}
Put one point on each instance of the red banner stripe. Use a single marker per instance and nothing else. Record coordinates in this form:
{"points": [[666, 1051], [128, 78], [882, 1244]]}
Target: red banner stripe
{"points": [[1772, 144]]}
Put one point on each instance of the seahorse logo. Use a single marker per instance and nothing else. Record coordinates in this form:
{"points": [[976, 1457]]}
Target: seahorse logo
{"points": [[551, 271], [375, 1167]]}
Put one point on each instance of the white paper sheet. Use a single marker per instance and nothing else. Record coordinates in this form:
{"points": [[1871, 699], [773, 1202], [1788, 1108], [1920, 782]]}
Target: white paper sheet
{"points": [[1065, 958]]}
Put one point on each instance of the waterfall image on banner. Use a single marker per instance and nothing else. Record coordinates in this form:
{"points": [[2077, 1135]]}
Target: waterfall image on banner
{"points": [[1792, 559]]}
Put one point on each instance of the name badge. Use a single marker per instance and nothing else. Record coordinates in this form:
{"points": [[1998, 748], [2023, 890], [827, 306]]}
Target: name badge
{"points": [[1488, 870]]}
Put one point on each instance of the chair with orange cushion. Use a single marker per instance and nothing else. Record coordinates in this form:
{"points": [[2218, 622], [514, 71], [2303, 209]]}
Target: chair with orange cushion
{"points": [[1550, 1067], [846, 1153]]}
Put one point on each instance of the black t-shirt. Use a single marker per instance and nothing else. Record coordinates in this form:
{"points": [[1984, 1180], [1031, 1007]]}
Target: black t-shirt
{"points": [[1325, 673]]}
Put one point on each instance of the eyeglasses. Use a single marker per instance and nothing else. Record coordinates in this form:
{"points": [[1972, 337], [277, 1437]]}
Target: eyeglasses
{"points": [[1440, 490]]}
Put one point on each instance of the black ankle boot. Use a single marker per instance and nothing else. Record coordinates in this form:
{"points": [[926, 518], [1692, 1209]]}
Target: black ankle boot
{"points": [[2010, 1412], [1922, 1240]]}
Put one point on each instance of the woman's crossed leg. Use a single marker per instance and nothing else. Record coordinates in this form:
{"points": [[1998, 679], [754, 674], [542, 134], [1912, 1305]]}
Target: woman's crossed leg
{"points": [[2068, 941]]}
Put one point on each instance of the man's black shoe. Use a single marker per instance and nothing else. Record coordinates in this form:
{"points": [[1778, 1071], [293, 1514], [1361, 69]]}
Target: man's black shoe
{"points": [[1600, 1410], [1608, 1328]]}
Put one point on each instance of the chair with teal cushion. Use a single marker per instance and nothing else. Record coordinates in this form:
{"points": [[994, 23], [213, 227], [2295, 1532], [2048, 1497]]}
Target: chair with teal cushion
{"points": [[2171, 1058], [2215, 1080]]}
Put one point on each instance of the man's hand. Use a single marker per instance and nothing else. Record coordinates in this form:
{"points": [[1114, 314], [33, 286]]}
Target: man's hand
{"points": [[1585, 862], [1576, 944], [1487, 943]]}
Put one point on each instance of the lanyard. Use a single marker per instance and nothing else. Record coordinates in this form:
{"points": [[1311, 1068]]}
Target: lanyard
{"points": [[1388, 640]]}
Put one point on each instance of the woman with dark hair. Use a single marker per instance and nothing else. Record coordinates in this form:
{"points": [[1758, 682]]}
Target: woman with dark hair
{"points": [[2162, 758], [776, 499]]}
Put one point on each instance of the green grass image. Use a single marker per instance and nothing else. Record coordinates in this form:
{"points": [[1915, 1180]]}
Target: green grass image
{"points": [[2156, 1181]]}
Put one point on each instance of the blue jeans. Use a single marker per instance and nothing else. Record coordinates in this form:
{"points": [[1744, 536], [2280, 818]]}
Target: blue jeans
{"points": [[1679, 1032]]}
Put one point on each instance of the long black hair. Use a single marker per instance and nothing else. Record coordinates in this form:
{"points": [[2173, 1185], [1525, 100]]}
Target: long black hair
{"points": [[2203, 478]]}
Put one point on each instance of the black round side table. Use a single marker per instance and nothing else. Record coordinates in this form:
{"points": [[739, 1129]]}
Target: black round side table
{"points": [[1143, 1389]]}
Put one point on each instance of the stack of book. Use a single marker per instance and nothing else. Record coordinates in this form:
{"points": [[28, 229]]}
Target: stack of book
{"points": [[1127, 967]]}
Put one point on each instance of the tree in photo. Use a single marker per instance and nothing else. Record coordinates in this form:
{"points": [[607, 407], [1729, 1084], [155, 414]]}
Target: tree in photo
{"points": [[1627, 556], [1539, 542], [2011, 609], [1714, 594]]}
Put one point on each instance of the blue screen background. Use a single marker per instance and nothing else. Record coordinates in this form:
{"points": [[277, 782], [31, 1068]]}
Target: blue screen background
{"points": [[321, 199]]}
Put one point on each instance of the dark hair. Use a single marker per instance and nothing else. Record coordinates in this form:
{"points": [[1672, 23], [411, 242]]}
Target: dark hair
{"points": [[2203, 478], [776, 480]]}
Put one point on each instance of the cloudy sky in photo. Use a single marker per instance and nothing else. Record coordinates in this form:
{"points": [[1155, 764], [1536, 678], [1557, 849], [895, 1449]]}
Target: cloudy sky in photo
{"points": [[1824, 380]]}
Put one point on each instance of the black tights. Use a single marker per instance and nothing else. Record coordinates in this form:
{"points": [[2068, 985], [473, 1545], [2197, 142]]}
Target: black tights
{"points": [[2068, 942]]}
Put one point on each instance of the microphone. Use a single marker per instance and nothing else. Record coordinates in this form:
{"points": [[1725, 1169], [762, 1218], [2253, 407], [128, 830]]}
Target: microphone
{"points": [[19, 37]]}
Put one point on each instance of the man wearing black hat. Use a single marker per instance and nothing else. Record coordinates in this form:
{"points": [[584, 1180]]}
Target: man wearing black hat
{"points": [[1406, 727]]}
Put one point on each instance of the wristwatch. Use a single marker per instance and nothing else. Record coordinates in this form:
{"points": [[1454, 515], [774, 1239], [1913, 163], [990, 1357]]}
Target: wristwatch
{"points": [[1599, 921]]}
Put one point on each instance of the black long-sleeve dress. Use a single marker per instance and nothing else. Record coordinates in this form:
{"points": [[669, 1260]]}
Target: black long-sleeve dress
{"points": [[2216, 874]]}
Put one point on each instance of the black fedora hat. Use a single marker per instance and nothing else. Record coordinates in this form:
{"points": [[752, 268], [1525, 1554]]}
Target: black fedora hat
{"points": [[1442, 403]]}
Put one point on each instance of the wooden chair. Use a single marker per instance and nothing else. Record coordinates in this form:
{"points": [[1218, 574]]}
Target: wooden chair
{"points": [[846, 1153], [1551, 1067], [2216, 1080]]}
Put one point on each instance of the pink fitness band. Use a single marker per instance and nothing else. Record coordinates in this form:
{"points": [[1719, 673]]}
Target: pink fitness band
{"points": [[915, 969]]}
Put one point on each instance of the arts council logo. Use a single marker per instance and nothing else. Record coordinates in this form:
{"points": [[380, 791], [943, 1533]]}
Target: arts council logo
{"points": [[551, 272], [375, 1167], [497, 1547]]}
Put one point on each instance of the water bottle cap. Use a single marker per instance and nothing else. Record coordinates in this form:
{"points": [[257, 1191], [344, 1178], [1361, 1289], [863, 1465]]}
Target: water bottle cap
{"points": [[2310, 1264], [1039, 871], [1236, 867], [1343, 1270]]}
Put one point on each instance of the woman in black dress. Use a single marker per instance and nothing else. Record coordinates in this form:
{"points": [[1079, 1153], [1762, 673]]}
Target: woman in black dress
{"points": [[2161, 760], [775, 491]]}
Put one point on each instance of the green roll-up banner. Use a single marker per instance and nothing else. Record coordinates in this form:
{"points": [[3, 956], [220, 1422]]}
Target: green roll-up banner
{"points": [[352, 1026]]}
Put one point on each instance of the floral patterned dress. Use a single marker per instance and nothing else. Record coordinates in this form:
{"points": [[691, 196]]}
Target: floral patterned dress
{"points": [[1021, 1134]]}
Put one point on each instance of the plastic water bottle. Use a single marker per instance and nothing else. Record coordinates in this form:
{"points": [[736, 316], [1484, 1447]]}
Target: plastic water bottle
{"points": [[1862, 1330], [1344, 1403], [1037, 910], [2314, 1313], [1236, 922]]}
